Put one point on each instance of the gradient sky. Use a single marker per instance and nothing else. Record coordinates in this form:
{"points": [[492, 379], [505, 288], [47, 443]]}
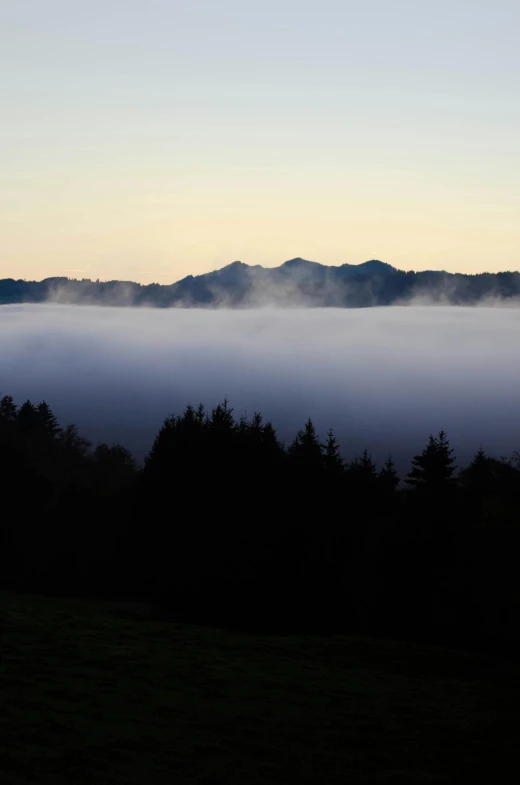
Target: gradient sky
{"points": [[150, 139]]}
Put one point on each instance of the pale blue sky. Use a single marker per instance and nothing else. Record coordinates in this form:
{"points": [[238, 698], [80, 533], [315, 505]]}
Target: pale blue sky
{"points": [[152, 139]]}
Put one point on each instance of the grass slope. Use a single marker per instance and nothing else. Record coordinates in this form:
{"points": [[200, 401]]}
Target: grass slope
{"points": [[94, 694]]}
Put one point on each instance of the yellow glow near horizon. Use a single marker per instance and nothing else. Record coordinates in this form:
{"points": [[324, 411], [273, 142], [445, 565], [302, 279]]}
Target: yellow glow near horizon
{"points": [[148, 141], [161, 236]]}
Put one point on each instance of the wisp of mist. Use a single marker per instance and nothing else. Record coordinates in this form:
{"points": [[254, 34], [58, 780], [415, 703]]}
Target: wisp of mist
{"points": [[383, 378]]}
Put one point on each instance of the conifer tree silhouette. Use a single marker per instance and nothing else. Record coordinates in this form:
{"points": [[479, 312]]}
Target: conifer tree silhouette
{"points": [[434, 467], [332, 459]]}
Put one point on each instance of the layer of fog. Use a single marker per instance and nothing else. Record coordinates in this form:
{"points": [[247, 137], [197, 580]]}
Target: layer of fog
{"points": [[384, 378]]}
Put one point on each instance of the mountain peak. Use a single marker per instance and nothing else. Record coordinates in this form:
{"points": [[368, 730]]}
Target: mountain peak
{"points": [[299, 262], [372, 267], [375, 265], [234, 266]]}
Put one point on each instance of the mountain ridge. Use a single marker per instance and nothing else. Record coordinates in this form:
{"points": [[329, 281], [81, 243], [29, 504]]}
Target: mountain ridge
{"points": [[296, 282]]}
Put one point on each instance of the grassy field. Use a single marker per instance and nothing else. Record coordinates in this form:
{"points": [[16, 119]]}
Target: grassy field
{"points": [[108, 694]]}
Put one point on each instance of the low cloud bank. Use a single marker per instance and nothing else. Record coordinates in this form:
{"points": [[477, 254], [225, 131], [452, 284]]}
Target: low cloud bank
{"points": [[383, 378]]}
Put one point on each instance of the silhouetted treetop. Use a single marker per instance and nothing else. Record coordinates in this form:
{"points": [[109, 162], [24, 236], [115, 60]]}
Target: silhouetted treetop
{"points": [[434, 467], [7, 409], [27, 417], [332, 459], [387, 478], [306, 450], [48, 421]]}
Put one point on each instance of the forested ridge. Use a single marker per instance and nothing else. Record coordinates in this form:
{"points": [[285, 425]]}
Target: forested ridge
{"points": [[225, 525], [297, 282]]}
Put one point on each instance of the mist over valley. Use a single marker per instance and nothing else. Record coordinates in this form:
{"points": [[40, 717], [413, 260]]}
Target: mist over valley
{"points": [[383, 378]]}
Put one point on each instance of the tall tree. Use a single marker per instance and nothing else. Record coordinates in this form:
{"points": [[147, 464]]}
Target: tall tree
{"points": [[306, 450], [332, 459], [7, 410], [221, 418], [434, 467], [387, 478], [48, 421], [362, 471], [486, 477], [27, 417], [7, 418]]}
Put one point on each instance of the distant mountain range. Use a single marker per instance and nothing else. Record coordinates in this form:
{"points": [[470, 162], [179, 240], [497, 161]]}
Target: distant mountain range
{"points": [[297, 282]]}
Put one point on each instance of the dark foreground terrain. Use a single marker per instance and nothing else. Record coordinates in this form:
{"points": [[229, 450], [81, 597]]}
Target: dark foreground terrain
{"points": [[105, 693]]}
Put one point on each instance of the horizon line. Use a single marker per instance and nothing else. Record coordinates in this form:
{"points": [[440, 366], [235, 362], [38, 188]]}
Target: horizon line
{"points": [[252, 266]]}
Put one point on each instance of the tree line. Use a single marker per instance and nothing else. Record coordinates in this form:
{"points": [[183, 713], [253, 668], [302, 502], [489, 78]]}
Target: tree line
{"points": [[239, 285], [224, 524]]}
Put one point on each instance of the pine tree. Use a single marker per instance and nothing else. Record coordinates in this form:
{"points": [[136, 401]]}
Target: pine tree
{"points": [[486, 476], [48, 421], [188, 439], [332, 459], [387, 478], [364, 466], [27, 417], [250, 437], [221, 418], [434, 467], [220, 454], [162, 445], [362, 475], [306, 450], [191, 419], [7, 410], [270, 438], [179, 445]]}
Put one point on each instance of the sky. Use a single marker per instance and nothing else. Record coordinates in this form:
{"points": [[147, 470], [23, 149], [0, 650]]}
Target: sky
{"points": [[151, 139], [383, 378]]}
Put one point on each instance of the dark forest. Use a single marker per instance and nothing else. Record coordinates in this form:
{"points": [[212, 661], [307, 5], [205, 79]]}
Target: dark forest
{"points": [[225, 525]]}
